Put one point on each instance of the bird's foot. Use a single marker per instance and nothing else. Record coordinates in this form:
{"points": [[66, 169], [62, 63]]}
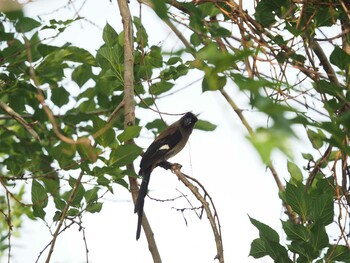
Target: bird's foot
{"points": [[166, 165], [175, 166]]}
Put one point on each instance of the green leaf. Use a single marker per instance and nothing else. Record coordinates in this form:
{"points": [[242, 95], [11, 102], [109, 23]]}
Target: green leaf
{"points": [[322, 208], [124, 154], [160, 8], [258, 249], [59, 96], [26, 24], [129, 133], [265, 231], [295, 232], [59, 203], [94, 208], [39, 199], [87, 151], [79, 194], [91, 195], [338, 253], [82, 74], [317, 139], [161, 87], [268, 244], [298, 199], [110, 36], [107, 137], [267, 140], [295, 172], [319, 237], [340, 58], [205, 125]]}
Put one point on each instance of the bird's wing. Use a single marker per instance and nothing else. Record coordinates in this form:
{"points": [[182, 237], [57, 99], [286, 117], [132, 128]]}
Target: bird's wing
{"points": [[159, 150]]}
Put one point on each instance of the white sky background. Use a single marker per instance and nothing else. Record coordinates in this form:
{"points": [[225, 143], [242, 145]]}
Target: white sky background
{"points": [[223, 161]]}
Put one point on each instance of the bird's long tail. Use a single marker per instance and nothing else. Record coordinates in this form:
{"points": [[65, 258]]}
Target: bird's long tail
{"points": [[141, 200]]}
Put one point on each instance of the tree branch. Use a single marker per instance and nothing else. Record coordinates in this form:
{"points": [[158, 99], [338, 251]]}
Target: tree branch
{"points": [[129, 111], [215, 224], [19, 119]]}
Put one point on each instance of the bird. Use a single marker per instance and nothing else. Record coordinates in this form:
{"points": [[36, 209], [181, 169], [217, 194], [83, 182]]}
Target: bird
{"points": [[166, 145]]}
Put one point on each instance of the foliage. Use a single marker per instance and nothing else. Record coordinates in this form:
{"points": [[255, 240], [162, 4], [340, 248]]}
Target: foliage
{"points": [[51, 139]]}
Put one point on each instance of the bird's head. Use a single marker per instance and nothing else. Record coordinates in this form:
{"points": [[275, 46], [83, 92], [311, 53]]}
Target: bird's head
{"points": [[188, 120]]}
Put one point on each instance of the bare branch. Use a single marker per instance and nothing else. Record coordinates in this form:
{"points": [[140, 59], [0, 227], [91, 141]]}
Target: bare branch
{"points": [[19, 119]]}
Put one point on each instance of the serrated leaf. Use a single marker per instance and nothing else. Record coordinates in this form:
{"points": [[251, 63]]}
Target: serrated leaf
{"points": [[257, 248], [39, 195], [39, 199], [295, 231], [265, 231], [124, 154], [298, 199], [129, 133], [319, 237], [338, 253], [322, 208]]}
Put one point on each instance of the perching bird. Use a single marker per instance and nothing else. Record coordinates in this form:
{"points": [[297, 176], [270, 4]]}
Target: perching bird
{"points": [[167, 144]]}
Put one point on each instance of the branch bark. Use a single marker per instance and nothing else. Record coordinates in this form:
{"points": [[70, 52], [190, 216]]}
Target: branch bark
{"points": [[129, 111]]}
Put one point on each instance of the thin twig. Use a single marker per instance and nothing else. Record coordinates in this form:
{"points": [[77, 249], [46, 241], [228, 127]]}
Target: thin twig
{"points": [[215, 227], [63, 215]]}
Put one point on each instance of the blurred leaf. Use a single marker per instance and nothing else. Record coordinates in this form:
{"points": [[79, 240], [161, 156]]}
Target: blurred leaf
{"points": [[267, 140], [160, 8], [295, 172], [316, 139], [205, 125], [340, 58], [26, 24]]}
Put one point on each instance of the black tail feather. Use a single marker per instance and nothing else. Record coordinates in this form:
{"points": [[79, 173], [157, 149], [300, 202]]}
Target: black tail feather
{"points": [[141, 200]]}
